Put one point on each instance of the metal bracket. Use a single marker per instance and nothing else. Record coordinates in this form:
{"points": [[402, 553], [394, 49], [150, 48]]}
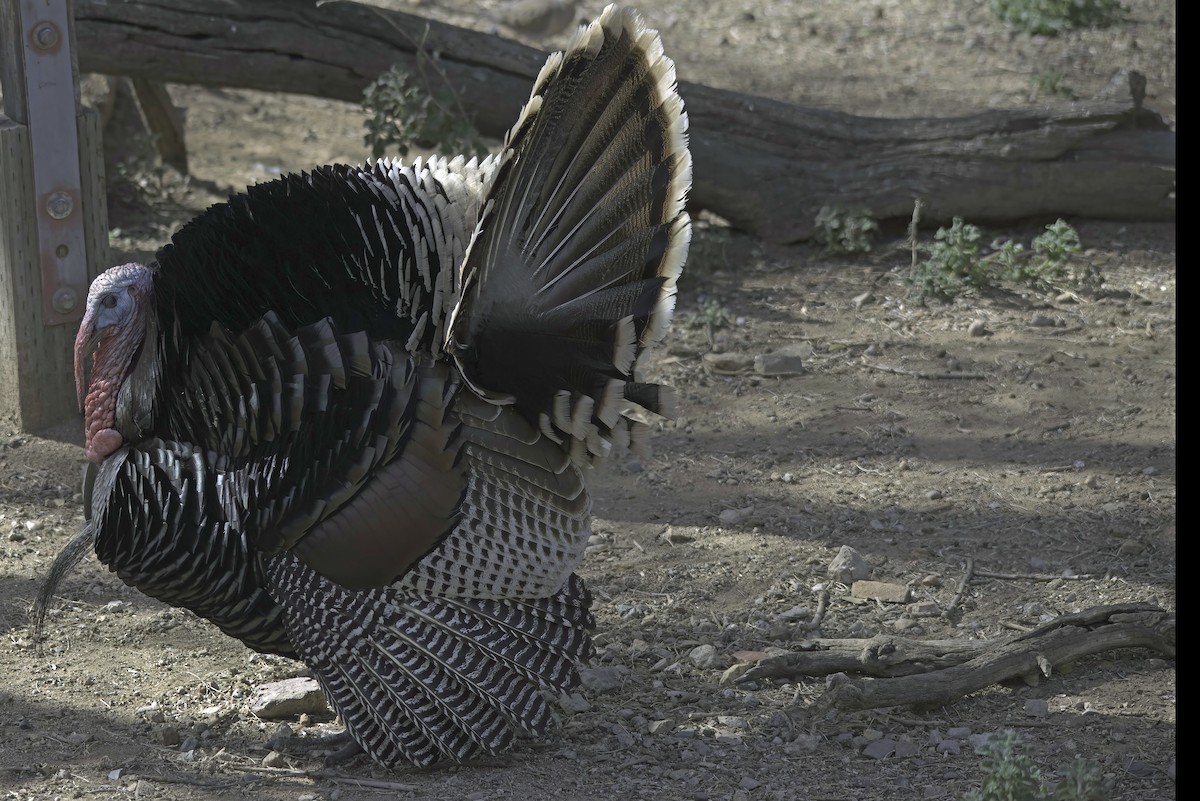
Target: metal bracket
{"points": [[54, 139]]}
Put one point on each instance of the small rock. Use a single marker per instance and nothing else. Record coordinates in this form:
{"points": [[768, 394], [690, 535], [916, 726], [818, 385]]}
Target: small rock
{"points": [[934, 495], [573, 703], [924, 609], [862, 300], [732, 722], [673, 537], [904, 624], [848, 566], [1140, 769], [189, 744], [978, 328], [1042, 320], [1037, 708], [806, 742], [796, 613], [279, 737], [731, 517], [978, 741], [958, 732], [664, 726], [728, 363], [1131, 548], [880, 749], [734, 672], [624, 737], [949, 746], [165, 735], [880, 590], [288, 699], [274, 760], [749, 783], [707, 657], [788, 360], [603, 679]]}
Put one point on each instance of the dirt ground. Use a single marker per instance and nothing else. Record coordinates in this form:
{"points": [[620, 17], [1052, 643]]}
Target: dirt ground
{"points": [[1047, 463]]}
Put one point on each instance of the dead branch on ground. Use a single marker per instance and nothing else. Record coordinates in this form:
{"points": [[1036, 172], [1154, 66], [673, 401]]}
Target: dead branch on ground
{"points": [[919, 673]]}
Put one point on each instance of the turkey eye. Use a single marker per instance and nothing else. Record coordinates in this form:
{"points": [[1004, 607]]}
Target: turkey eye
{"points": [[108, 301]]}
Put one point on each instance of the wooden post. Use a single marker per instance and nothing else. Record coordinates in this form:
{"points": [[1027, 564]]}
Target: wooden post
{"points": [[53, 215]]}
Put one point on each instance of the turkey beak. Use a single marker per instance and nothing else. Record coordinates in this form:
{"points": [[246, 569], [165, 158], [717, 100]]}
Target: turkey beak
{"points": [[86, 342]]}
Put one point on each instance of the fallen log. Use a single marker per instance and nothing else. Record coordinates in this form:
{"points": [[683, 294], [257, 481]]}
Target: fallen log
{"points": [[766, 166]]}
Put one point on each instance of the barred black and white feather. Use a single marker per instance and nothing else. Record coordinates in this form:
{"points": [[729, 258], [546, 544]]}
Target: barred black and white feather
{"points": [[353, 419]]}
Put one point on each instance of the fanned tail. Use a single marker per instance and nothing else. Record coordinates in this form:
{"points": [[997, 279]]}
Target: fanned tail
{"points": [[418, 680], [572, 272]]}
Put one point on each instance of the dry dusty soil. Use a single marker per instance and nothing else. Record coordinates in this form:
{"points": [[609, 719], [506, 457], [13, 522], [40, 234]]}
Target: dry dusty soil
{"points": [[1035, 463]]}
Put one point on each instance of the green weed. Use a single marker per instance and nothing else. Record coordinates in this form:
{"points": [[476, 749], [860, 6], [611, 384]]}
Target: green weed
{"points": [[405, 114], [1052, 17], [842, 231], [954, 264], [1010, 775]]}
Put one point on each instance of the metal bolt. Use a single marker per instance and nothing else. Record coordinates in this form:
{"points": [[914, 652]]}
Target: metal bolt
{"points": [[60, 205], [45, 35], [65, 299]]}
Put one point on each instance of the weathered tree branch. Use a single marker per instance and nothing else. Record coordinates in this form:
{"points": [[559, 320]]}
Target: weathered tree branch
{"points": [[881, 655], [766, 166], [939, 672]]}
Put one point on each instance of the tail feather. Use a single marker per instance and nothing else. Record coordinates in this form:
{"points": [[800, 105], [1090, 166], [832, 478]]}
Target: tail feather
{"points": [[419, 679], [572, 272]]}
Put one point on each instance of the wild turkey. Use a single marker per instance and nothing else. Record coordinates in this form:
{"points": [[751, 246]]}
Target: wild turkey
{"points": [[345, 415]]}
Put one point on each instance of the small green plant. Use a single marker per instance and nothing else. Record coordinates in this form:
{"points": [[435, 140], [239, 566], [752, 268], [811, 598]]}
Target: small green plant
{"points": [[404, 114], [955, 265], [711, 314], [1010, 775], [1048, 263], [841, 230], [1052, 17], [709, 249], [1050, 82]]}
